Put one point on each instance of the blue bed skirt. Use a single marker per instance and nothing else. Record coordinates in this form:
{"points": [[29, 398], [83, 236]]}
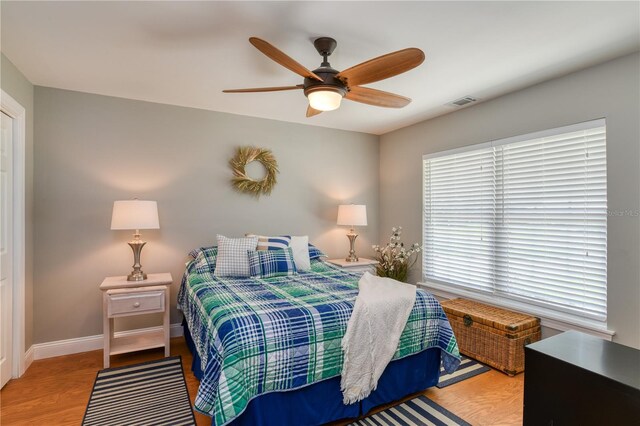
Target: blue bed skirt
{"points": [[322, 402]]}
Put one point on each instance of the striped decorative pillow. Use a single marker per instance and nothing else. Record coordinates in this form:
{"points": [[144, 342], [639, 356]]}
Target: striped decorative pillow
{"points": [[271, 263], [282, 242], [232, 256], [271, 243]]}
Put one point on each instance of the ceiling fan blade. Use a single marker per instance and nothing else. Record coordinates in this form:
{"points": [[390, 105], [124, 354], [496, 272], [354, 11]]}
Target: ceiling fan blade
{"points": [[311, 111], [280, 57], [382, 67], [375, 97], [264, 89]]}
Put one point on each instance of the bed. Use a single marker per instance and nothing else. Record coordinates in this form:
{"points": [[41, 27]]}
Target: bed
{"points": [[268, 351]]}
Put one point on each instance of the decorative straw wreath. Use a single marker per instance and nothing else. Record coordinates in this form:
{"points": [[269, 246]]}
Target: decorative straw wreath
{"points": [[242, 182]]}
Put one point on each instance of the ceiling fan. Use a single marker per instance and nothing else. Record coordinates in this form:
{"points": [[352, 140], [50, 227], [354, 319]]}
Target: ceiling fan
{"points": [[325, 87]]}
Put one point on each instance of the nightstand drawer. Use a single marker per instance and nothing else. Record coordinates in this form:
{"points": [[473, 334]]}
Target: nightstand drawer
{"points": [[370, 268], [133, 303], [361, 266]]}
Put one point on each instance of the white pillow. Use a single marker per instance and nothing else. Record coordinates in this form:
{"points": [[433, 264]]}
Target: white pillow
{"points": [[300, 248], [233, 260]]}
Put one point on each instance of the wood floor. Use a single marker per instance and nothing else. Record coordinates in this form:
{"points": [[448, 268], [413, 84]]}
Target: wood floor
{"points": [[55, 391]]}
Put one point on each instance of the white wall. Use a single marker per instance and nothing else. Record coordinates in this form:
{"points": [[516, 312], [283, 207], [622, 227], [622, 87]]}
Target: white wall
{"points": [[610, 90], [91, 150]]}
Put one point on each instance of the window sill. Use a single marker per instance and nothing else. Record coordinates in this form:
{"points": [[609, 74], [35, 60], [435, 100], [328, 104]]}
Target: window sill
{"points": [[548, 318]]}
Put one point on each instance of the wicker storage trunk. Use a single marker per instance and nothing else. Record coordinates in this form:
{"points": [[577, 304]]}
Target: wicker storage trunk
{"points": [[494, 336]]}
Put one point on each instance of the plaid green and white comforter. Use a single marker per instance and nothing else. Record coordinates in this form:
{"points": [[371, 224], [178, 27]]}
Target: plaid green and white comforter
{"points": [[256, 336]]}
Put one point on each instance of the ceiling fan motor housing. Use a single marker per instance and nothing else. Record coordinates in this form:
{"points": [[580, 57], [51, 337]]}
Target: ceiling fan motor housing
{"points": [[330, 82], [325, 46]]}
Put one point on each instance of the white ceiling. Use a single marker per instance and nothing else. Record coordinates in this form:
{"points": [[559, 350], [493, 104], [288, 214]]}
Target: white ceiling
{"points": [[185, 53]]}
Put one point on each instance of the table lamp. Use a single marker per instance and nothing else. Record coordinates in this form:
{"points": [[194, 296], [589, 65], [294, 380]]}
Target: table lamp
{"points": [[352, 215], [135, 215]]}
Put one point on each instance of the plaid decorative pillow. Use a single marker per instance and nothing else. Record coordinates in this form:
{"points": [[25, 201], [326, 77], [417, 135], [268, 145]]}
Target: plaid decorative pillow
{"points": [[205, 258], [232, 256], [271, 263], [315, 252]]}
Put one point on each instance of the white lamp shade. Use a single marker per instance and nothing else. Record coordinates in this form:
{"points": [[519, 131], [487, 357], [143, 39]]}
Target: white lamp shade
{"points": [[352, 215], [325, 100], [135, 214]]}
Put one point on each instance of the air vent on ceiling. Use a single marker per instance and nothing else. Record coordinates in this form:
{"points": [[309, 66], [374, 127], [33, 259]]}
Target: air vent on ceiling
{"points": [[463, 101]]}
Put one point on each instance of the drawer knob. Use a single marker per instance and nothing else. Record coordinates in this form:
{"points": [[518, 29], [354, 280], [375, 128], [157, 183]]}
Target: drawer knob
{"points": [[136, 305]]}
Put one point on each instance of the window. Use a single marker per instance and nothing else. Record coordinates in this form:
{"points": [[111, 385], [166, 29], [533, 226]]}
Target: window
{"points": [[522, 218]]}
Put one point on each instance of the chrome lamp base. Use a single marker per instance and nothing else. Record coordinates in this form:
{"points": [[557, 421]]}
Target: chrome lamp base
{"points": [[352, 242], [136, 245]]}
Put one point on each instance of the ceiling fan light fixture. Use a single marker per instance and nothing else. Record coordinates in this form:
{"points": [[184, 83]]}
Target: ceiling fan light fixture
{"points": [[325, 99]]}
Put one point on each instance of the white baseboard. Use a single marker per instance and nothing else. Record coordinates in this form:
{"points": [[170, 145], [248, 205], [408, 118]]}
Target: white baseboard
{"points": [[86, 344], [28, 359]]}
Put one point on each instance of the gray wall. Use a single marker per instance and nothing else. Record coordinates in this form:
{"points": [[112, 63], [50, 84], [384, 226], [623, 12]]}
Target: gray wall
{"points": [[19, 88], [610, 90], [92, 150]]}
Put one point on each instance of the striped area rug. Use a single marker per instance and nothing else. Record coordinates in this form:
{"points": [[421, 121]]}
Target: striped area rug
{"points": [[153, 392], [468, 368], [419, 411]]}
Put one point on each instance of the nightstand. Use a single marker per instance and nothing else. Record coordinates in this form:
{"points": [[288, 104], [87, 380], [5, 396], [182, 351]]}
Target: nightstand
{"points": [[362, 265], [122, 298]]}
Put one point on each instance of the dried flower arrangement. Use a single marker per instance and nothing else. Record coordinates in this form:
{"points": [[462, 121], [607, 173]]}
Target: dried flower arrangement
{"points": [[394, 259]]}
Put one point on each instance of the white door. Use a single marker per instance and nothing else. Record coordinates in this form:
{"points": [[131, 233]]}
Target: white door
{"points": [[6, 250]]}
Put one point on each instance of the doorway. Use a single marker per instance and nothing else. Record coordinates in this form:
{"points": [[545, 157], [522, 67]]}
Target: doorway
{"points": [[6, 248], [13, 357]]}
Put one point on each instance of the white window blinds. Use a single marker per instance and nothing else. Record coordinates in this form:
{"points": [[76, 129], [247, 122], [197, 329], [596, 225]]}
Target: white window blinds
{"points": [[459, 206], [522, 218]]}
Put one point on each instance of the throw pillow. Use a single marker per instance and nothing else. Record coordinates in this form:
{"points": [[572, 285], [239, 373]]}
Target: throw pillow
{"points": [[271, 263], [271, 243], [315, 252], [300, 248], [232, 256], [205, 259]]}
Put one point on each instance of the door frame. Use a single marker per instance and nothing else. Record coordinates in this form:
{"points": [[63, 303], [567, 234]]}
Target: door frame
{"points": [[12, 108]]}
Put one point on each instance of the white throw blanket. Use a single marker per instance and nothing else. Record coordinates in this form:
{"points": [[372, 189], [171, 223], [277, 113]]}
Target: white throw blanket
{"points": [[379, 316]]}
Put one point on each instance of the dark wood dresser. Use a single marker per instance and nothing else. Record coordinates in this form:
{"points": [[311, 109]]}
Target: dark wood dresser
{"points": [[577, 379]]}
